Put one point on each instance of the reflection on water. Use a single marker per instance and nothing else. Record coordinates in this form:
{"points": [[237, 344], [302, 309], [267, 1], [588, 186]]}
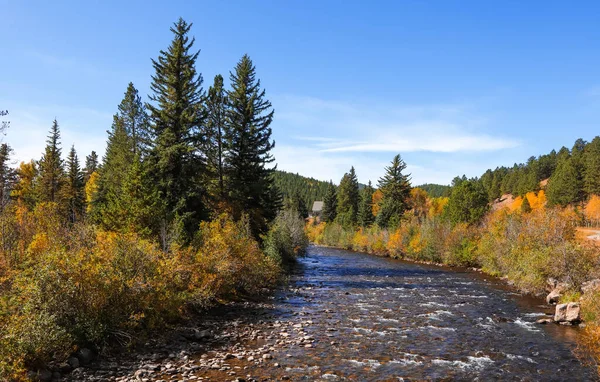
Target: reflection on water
{"points": [[382, 319]]}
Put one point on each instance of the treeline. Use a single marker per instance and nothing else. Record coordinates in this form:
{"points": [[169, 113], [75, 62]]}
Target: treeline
{"points": [[171, 162], [573, 175], [435, 190], [182, 211], [300, 191]]}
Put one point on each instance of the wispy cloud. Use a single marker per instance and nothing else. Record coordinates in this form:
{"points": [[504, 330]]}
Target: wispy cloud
{"points": [[324, 138]]}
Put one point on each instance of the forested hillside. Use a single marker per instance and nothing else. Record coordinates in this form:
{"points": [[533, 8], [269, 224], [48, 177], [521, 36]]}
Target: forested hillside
{"points": [[435, 190], [573, 175], [309, 189]]}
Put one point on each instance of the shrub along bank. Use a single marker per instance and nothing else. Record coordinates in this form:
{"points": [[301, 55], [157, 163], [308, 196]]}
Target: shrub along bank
{"points": [[63, 288]]}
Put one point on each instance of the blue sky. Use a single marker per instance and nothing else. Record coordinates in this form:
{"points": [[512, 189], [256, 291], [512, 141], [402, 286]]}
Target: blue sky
{"points": [[455, 87]]}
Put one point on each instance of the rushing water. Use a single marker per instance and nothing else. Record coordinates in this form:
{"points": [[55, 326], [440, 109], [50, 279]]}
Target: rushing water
{"points": [[382, 319]]}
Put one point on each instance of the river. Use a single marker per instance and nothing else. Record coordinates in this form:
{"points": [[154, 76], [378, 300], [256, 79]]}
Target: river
{"points": [[352, 316]]}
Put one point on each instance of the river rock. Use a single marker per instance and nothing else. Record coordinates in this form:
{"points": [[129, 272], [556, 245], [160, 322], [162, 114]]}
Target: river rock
{"points": [[553, 297], [570, 313], [73, 362], [85, 356], [590, 286]]}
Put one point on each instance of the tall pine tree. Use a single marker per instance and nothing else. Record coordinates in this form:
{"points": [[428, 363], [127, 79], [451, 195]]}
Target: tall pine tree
{"points": [[395, 187], [51, 178], [132, 113], [176, 116], [73, 190], [216, 145], [116, 164], [348, 199], [91, 165], [365, 209], [250, 181], [7, 175], [592, 167], [330, 204]]}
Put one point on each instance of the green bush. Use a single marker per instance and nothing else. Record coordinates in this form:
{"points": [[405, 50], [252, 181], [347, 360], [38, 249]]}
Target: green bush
{"points": [[287, 239]]}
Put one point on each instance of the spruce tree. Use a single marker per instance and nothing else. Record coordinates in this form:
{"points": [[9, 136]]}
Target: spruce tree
{"points": [[468, 203], [296, 203], [395, 187], [348, 199], [135, 121], [216, 145], [139, 199], [116, 164], [565, 186], [91, 165], [249, 115], [176, 115], [51, 178], [365, 209], [73, 190], [592, 167], [7, 175], [329, 211]]}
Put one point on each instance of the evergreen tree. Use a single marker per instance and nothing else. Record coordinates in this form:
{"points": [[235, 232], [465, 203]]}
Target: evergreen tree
{"points": [[296, 203], [7, 175], [216, 145], [73, 190], [329, 211], [91, 165], [348, 198], [365, 209], [176, 115], [138, 199], [468, 203], [51, 177], [565, 186], [250, 182], [395, 187], [116, 164], [132, 113], [592, 167], [525, 206]]}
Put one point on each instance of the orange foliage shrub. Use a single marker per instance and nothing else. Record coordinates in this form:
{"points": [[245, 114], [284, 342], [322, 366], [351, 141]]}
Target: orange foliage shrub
{"points": [[80, 286], [592, 210]]}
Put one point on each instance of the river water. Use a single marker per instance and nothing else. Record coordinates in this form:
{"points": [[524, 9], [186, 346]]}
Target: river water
{"points": [[380, 319], [346, 316]]}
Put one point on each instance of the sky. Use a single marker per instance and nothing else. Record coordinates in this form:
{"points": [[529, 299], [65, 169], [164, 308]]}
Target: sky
{"points": [[455, 87]]}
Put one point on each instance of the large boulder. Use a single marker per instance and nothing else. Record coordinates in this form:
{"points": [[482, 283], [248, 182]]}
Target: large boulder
{"points": [[568, 313], [590, 286]]}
